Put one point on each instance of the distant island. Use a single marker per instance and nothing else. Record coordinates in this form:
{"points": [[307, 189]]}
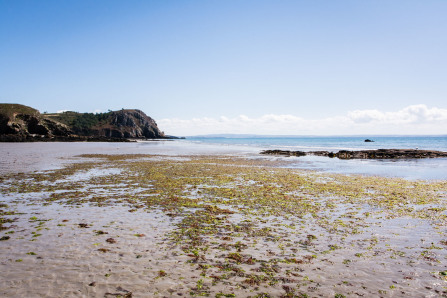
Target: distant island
{"points": [[20, 123]]}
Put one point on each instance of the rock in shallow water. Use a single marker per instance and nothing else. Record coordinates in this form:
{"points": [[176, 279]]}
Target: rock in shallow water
{"points": [[364, 154]]}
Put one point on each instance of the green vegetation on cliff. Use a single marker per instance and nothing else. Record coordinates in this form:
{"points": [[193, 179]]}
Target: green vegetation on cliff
{"points": [[9, 109], [80, 122]]}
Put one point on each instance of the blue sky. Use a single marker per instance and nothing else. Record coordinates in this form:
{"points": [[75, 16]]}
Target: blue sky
{"points": [[286, 67]]}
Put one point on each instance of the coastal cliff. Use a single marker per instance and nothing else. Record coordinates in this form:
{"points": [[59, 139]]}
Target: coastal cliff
{"points": [[129, 124], [22, 123]]}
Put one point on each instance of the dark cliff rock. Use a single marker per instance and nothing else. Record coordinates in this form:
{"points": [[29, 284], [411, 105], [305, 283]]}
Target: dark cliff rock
{"points": [[365, 154], [128, 124], [22, 123]]}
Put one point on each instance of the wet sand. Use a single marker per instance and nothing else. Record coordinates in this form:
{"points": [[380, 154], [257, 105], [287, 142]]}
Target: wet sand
{"points": [[38, 156], [116, 222]]}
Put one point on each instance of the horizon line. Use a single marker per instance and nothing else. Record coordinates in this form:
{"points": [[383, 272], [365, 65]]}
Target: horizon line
{"points": [[229, 135]]}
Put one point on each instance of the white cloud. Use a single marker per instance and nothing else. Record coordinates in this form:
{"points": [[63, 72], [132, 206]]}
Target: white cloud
{"points": [[415, 119], [416, 114], [366, 116]]}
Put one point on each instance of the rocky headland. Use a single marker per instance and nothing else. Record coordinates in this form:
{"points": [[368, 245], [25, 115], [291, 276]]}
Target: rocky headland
{"points": [[19, 123], [364, 154]]}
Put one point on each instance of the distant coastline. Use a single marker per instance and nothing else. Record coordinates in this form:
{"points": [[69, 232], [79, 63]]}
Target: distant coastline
{"points": [[261, 136]]}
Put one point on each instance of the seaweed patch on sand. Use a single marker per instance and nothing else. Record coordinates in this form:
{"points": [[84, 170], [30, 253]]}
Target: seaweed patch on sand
{"points": [[218, 226]]}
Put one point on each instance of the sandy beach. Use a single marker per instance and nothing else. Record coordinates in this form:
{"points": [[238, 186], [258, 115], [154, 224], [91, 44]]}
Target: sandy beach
{"points": [[164, 220]]}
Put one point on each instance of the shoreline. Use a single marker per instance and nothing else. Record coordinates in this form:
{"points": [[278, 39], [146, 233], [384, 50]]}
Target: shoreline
{"points": [[71, 139], [33, 156], [213, 224]]}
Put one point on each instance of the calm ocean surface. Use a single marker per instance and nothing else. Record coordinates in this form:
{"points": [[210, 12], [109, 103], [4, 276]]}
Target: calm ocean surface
{"points": [[330, 143], [430, 169]]}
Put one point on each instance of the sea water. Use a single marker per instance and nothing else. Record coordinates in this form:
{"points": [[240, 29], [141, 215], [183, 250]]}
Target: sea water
{"points": [[429, 169], [331, 143]]}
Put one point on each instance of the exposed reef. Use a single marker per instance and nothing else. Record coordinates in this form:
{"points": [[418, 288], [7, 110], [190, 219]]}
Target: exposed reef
{"points": [[365, 154]]}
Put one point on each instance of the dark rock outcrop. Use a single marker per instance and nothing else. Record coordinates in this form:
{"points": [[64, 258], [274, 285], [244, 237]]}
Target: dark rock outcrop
{"points": [[365, 154], [284, 152], [22, 123], [389, 154]]}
